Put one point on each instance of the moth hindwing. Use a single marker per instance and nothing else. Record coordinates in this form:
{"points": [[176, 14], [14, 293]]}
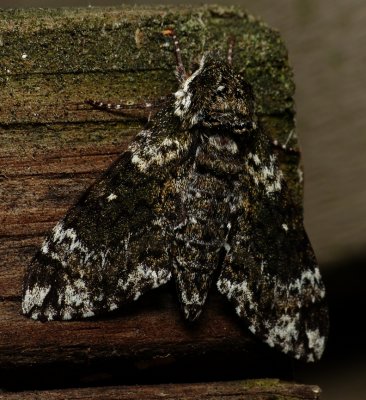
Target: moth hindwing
{"points": [[197, 195]]}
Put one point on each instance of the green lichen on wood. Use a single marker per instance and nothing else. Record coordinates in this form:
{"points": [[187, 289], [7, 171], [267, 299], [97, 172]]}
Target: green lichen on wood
{"points": [[109, 40], [51, 60]]}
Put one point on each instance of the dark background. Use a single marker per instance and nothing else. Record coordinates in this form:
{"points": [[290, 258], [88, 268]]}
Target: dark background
{"points": [[327, 49]]}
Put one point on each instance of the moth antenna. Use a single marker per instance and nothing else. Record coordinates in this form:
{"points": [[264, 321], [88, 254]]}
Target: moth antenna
{"points": [[181, 71], [100, 105], [230, 50]]}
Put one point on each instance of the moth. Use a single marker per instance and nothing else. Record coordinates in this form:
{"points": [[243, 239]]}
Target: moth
{"points": [[198, 198]]}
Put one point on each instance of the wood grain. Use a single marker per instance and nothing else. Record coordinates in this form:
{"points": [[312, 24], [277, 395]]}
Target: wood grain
{"points": [[235, 390], [52, 147]]}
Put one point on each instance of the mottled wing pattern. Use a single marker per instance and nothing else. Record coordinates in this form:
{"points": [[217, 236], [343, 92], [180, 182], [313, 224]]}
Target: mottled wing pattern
{"points": [[198, 192], [270, 273], [110, 248]]}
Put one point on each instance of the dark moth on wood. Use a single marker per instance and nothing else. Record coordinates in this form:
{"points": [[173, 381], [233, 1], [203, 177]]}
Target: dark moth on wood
{"points": [[198, 197]]}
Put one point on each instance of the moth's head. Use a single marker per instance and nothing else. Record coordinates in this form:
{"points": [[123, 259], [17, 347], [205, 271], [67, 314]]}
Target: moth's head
{"points": [[214, 96]]}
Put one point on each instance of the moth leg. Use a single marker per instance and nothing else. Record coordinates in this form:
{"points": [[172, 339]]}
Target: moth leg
{"points": [[230, 50], [181, 71], [147, 108]]}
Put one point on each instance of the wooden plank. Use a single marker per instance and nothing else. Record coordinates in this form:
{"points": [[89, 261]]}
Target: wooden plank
{"points": [[149, 341], [234, 390], [52, 147], [152, 326]]}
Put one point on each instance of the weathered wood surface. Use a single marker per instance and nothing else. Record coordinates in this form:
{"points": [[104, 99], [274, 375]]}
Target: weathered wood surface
{"points": [[235, 390], [52, 147]]}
